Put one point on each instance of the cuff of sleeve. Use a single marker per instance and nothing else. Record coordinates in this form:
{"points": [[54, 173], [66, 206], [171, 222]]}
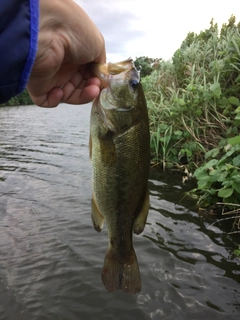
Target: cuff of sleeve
{"points": [[34, 21]]}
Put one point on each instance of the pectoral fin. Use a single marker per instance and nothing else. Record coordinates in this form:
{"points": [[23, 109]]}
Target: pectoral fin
{"points": [[141, 218], [97, 218]]}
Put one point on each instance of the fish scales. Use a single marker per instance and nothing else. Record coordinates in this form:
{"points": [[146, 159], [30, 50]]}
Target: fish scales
{"points": [[120, 154]]}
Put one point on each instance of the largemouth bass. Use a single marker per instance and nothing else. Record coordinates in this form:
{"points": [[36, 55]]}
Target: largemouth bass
{"points": [[120, 155]]}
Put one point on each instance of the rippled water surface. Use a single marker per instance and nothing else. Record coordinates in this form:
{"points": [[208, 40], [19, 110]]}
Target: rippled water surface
{"points": [[51, 256]]}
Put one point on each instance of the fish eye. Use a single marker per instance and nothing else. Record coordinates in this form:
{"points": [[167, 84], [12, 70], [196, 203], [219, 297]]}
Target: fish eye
{"points": [[134, 83]]}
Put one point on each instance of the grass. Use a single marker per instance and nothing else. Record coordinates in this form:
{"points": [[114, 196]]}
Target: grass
{"points": [[192, 99], [194, 110]]}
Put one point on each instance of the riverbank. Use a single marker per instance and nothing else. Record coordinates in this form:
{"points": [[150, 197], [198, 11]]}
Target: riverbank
{"points": [[194, 111], [20, 100]]}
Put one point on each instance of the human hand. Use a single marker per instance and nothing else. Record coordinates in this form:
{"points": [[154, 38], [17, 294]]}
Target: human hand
{"points": [[68, 40]]}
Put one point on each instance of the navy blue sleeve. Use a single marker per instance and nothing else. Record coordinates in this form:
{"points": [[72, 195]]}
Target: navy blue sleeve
{"points": [[18, 44]]}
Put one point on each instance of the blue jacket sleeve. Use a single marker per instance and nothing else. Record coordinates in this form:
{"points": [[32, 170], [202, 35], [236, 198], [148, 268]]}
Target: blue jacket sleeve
{"points": [[18, 44]]}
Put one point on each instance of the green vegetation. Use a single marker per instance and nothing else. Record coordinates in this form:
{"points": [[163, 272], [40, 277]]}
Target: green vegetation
{"points": [[146, 65], [20, 100], [219, 177], [237, 251], [194, 110]]}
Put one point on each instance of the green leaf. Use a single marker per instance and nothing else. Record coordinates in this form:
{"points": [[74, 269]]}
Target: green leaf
{"points": [[189, 153], [225, 192], [237, 252], [201, 175], [214, 175], [236, 161], [199, 172], [236, 176], [234, 101], [178, 133], [234, 140], [189, 87], [203, 184], [181, 102], [222, 176], [212, 153], [211, 163], [216, 89], [236, 186], [215, 172], [223, 102]]}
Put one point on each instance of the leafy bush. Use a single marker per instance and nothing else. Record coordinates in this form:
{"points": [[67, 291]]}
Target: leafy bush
{"points": [[194, 110], [22, 99], [218, 179], [146, 65], [192, 98]]}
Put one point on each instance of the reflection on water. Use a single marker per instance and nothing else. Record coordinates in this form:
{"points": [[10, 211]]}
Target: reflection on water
{"points": [[51, 257]]}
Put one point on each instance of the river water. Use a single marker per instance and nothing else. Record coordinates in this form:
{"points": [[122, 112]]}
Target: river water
{"points": [[51, 256]]}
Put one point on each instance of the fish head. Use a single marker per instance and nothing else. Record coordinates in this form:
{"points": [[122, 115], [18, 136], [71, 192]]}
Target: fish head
{"points": [[121, 103], [120, 83]]}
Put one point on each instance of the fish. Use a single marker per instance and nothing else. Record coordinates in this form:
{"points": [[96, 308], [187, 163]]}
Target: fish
{"points": [[120, 157]]}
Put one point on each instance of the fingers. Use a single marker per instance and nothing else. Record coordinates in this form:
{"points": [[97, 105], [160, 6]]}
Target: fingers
{"points": [[79, 91], [82, 96], [73, 92], [50, 100]]}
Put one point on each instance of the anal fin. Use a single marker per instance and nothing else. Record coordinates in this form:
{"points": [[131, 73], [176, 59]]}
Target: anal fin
{"points": [[97, 218], [141, 218]]}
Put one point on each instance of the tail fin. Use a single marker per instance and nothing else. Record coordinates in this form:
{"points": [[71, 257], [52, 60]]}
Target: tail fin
{"points": [[120, 274]]}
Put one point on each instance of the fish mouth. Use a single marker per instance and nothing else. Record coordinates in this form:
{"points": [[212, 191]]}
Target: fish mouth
{"points": [[106, 71], [124, 109]]}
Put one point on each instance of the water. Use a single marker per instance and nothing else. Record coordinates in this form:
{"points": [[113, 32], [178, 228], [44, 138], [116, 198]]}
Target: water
{"points": [[51, 256]]}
